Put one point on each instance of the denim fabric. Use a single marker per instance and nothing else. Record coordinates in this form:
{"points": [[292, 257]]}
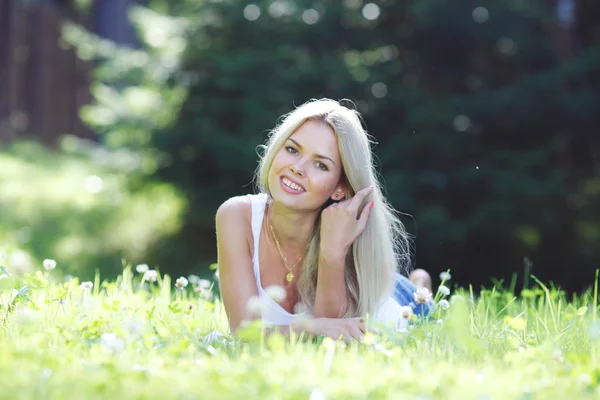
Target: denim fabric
{"points": [[403, 293]]}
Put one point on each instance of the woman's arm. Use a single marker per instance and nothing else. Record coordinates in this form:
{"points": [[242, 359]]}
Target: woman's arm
{"points": [[341, 224], [236, 274], [238, 285], [331, 299], [348, 329]]}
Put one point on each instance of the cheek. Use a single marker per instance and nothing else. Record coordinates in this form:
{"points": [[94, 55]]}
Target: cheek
{"points": [[282, 158], [323, 182]]}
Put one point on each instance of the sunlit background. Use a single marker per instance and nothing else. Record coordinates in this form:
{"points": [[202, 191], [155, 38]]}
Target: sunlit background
{"points": [[125, 124]]}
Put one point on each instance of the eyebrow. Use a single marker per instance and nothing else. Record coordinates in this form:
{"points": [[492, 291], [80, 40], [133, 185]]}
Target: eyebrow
{"points": [[318, 155]]}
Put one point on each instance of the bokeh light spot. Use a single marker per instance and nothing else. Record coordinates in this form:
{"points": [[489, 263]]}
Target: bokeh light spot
{"points": [[379, 90], [371, 11], [93, 184], [461, 123], [310, 16], [480, 15], [251, 12]]}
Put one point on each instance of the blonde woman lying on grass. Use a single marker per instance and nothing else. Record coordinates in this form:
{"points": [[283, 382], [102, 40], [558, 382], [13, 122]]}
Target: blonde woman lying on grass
{"points": [[321, 229]]}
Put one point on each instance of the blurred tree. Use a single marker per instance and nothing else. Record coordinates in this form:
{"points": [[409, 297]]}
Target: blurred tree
{"points": [[476, 122]]}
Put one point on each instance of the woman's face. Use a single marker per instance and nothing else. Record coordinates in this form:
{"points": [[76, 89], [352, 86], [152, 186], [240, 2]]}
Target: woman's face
{"points": [[307, 169]]}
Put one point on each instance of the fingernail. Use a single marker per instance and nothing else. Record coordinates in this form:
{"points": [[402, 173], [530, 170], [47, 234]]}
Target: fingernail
{"points": [[371, 186], [371, 204]]}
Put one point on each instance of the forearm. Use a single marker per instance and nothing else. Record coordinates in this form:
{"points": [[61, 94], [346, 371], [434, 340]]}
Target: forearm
{"points": [[331, 296], [286, 330]]}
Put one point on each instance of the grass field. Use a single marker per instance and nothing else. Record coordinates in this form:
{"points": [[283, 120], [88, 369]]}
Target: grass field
{"points": [[129, 339]]}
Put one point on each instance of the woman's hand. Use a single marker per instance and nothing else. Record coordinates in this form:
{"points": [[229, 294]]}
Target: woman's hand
{"points": [[347, 329], [341, 225]]}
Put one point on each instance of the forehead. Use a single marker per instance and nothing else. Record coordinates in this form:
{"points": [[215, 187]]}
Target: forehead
{"points": [[317, 137]]}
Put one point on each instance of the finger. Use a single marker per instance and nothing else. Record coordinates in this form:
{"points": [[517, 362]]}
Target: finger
{"points": [[351, 336], [358, 198], [364, 215], [356, 333], [361, 324]]}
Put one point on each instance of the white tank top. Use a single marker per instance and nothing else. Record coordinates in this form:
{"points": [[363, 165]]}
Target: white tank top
{"points": [[272, 312]]}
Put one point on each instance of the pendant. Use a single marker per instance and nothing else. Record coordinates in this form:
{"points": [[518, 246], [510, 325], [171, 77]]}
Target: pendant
{"points": [[289, 277]]}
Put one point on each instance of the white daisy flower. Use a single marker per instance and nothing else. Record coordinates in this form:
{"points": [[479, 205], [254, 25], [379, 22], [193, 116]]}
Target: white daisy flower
{"points": [[444, 290], [422, 295], [151, 275], [142, 268], [181, 283], [276, 292], [317, 394], [406, 312], [49, 264], [204, 284], [445, 276], [86, 285], [193, 279], [444, 304], [254, 305], [112, 343]]}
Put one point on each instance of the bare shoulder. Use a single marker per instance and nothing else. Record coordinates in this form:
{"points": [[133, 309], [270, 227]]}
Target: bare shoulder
{"points": [[235, 208], [234, 220]]}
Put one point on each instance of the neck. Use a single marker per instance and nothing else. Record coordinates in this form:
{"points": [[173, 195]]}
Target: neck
{"points": [[293, 230]]}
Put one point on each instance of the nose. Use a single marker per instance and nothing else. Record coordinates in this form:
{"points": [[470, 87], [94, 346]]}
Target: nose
{"points": [[297, 170]]}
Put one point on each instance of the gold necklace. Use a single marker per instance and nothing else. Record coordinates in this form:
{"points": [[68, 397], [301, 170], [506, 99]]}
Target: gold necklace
{"points": [[290, 275]]}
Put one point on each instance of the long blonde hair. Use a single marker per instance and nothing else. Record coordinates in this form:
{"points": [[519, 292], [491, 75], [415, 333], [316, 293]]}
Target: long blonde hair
{"points": [[383, 248]]}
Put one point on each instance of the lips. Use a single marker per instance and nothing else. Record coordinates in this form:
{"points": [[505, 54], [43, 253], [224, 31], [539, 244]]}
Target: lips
{"points": [[291, 189]]}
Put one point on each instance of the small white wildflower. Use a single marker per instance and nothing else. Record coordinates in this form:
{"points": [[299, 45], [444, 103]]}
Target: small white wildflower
{"points": [[134, 327], [49, 264], [254, 305], [276, 292], [480, 378], [445, 276], [444, 305], [444, 290], [406, 312], [557, 356], [204, 294], [86, 285], [456, 297], [151, 275], [317, 394], [422, 295], [439, 322], [193, 279], [300, 308], [584, 379], [111, 343], [204, 284], [142, 268], [181, 283]]}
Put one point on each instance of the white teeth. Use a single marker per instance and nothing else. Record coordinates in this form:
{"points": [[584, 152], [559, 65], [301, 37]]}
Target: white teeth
{"points": [[291, 184]]}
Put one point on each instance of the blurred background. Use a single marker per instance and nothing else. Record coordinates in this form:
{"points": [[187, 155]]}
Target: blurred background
{"points": [[125, 124]]}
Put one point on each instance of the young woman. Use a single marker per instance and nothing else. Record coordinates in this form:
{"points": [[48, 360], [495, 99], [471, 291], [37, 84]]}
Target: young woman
{"points": [[320, 228]]}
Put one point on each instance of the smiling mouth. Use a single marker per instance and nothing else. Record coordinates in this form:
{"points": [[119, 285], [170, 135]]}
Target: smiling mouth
{"points": [[288, 183]]}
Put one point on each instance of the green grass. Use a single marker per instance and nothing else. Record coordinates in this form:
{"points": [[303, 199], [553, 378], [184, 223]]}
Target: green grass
{"points": [[120, 340]]}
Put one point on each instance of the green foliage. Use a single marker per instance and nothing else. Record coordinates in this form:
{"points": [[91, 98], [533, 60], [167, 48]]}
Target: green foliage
{"points": [[81, 206], [474, 115], [134, 338]]}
